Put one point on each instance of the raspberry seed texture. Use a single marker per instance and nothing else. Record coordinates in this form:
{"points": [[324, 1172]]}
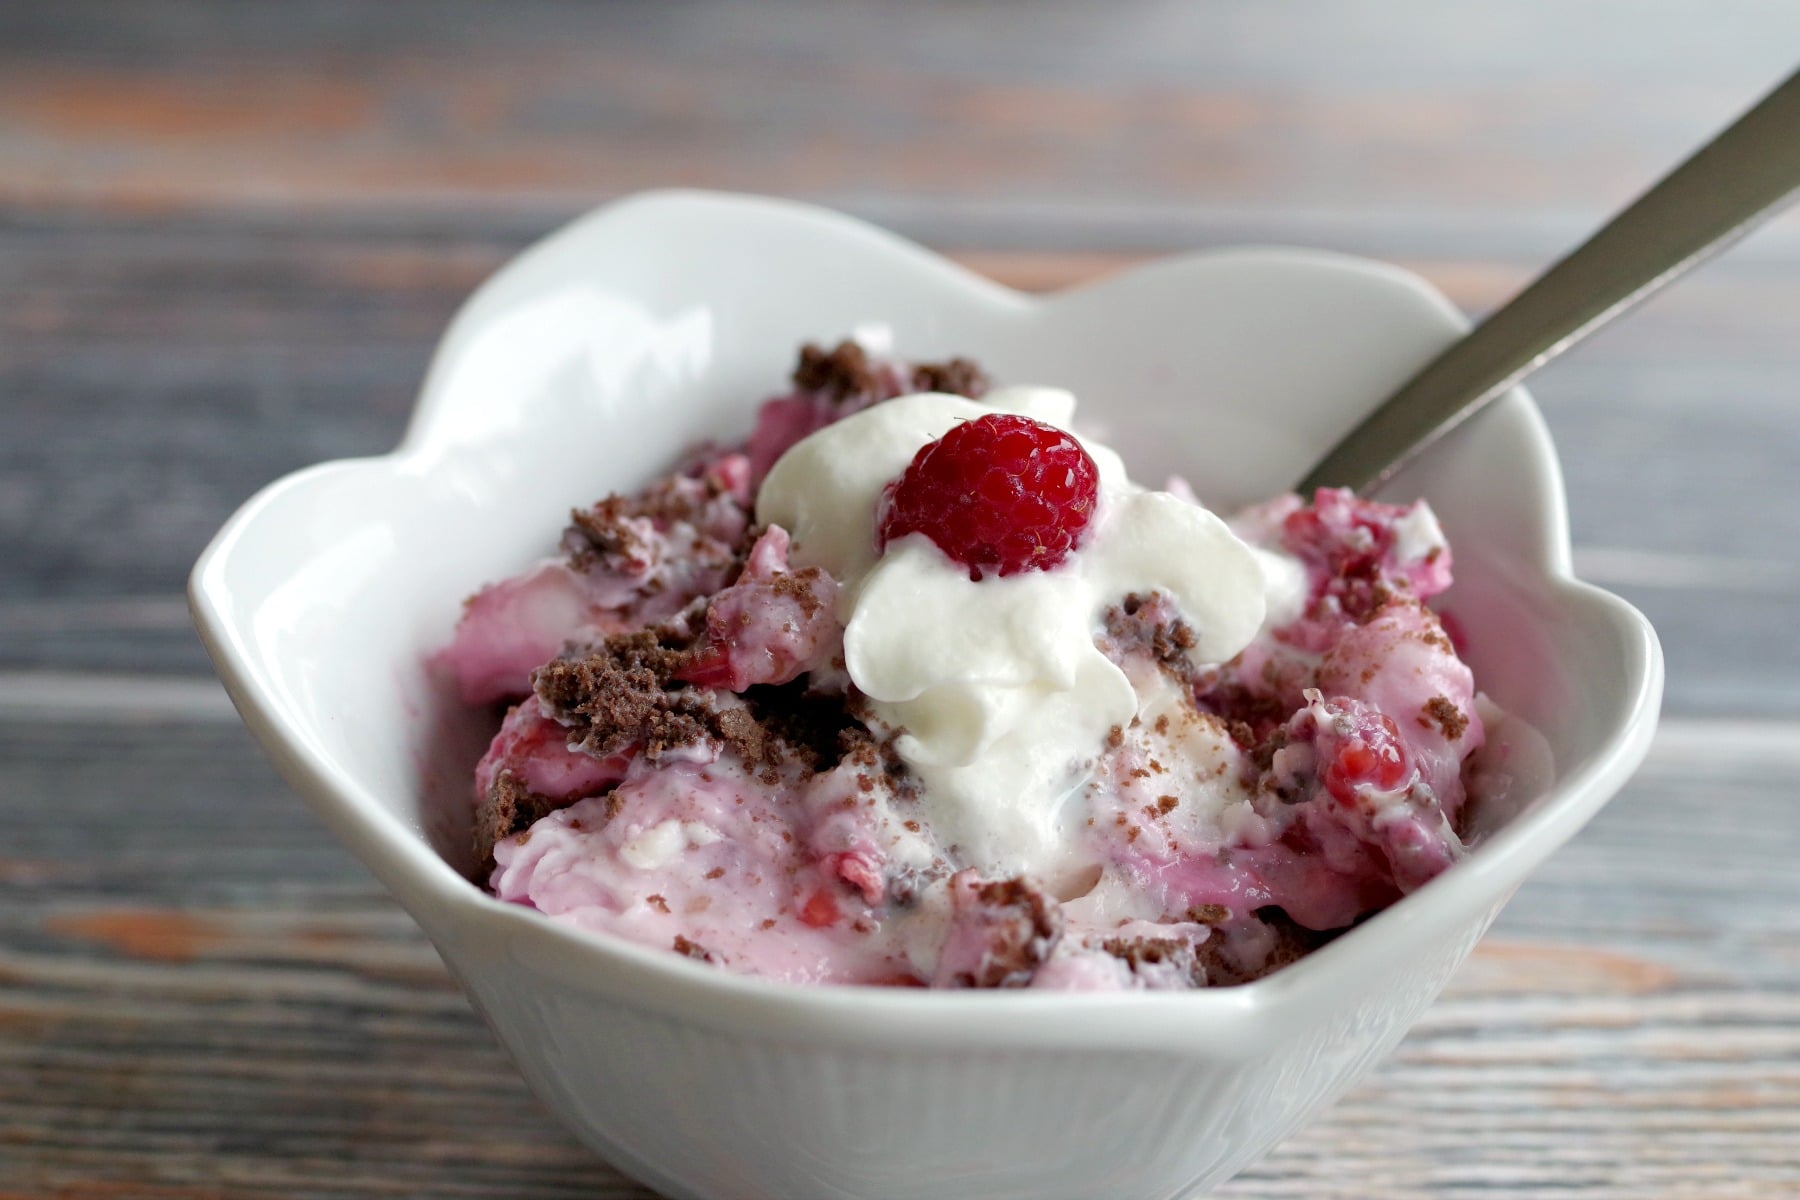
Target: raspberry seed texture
{"points": [[1000, 494]]}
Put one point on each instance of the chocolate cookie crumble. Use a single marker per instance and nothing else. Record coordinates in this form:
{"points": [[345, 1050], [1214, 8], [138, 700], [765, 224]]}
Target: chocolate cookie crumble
{"points": [[959, 377], [1024, 926], [1448, 718], [840, 373], [1151, 623], [1174, 955], [507, 810], [624, 694], [846, 372]]}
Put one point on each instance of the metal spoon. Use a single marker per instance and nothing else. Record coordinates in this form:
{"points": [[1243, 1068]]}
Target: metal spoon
{"points": [[1729, 187]]}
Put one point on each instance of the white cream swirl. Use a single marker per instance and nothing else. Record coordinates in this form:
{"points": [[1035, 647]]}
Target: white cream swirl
{"points": [[1004, 700]]}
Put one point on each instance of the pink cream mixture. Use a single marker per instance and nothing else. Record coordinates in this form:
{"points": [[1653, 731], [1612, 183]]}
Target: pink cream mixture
{"points": [[685, 761]]}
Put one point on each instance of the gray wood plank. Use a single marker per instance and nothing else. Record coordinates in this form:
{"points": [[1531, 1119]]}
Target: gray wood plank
{"points": [[203, 995], [1412, 102]]}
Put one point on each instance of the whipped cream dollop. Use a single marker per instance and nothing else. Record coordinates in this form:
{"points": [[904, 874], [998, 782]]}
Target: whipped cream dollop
{"points": [[1004, 701]]}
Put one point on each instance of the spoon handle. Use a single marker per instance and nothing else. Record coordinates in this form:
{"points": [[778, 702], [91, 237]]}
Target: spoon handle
{"points": [[1729, 187]]}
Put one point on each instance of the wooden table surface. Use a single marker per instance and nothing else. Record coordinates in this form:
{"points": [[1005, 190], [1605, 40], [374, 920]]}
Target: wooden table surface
{"points": [[230, 234]]}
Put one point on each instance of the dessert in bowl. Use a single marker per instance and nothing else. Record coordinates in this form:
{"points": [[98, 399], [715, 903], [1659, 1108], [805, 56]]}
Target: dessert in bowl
{"points": [[589, 366], [914, 686]]}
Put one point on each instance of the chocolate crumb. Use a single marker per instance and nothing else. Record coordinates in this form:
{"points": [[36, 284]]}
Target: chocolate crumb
{"points": [[657, 902], [840, 373], [508, 811], [613, 528], [620, 695], [959, 377], [1449, 718], [740, 731], [1134, 623], [800, 585], [626, 694], [1021, 945], [693, 950], [1138, 953], [812, 731], [604, 529]]}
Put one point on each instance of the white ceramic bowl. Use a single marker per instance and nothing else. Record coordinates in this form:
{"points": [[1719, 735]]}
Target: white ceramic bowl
{"points": [[586, 366]]}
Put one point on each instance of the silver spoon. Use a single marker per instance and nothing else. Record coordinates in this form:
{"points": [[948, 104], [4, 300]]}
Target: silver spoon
{"points": [[1730, 186]]}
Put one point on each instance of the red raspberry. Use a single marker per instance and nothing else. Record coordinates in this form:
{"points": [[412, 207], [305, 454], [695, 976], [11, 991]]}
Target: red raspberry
{"points": [[1370, 755], [820, 910], [999, 494]]}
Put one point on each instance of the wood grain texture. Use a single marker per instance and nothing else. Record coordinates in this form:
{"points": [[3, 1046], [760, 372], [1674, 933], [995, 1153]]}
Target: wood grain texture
{"points": [[978, 102], [230, 234], [219, 1002]]}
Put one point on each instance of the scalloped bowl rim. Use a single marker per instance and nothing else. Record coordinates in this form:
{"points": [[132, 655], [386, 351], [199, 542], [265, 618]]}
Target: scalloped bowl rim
{"points": [[440, 898]]}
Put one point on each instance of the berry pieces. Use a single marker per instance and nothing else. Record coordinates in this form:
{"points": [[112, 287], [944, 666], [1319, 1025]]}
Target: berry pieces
{"points": [[1000, 494], [1363, 751]]}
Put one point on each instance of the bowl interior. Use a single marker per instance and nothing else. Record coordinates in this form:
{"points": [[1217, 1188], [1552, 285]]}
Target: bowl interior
{"points": [[594, 360]]}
